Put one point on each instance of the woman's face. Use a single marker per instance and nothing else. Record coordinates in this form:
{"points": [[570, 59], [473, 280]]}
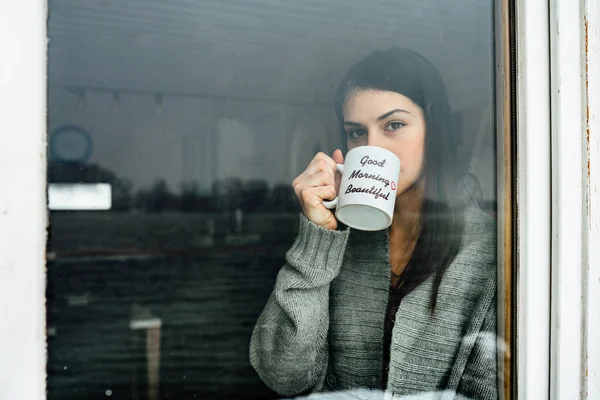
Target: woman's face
{"points": [[391, 121]]}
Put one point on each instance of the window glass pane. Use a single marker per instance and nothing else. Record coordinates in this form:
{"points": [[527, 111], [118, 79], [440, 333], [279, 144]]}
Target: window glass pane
{"points": [[192, 151]]}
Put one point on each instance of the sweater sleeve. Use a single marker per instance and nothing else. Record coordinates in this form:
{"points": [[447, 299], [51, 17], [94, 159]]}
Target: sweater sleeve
{"points": [[289, 348], [480, 378]]}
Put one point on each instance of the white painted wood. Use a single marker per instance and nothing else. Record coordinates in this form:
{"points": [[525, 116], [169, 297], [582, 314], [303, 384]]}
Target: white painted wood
{"points": [[567, 199], [575, 349], [22, 199], [533, 197], [591, 209]]}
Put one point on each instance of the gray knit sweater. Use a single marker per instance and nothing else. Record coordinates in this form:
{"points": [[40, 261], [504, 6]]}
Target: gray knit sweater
{"points": [[322, 327]]}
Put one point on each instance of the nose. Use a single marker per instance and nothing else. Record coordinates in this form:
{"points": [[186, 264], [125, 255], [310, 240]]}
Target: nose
{"points": [[375, 139]]}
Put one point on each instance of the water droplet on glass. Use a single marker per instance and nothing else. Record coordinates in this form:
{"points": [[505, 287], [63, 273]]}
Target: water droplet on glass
{"points": [[108, 392]]}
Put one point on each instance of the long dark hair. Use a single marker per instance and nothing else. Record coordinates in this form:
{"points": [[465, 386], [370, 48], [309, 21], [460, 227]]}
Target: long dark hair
{"points": [[442, 219]]}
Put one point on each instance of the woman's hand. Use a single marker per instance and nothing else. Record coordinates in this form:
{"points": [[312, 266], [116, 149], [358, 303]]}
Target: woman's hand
{"points": [[317, 183]]}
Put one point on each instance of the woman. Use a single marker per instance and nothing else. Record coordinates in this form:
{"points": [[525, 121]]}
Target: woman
{"points": [[407, 310]]}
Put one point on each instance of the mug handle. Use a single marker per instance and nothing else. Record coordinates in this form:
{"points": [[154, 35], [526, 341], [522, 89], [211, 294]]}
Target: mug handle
{"points": [[333, 203]]}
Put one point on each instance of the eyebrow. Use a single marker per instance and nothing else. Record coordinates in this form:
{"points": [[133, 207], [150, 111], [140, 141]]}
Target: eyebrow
{"points": [[384, 116]]}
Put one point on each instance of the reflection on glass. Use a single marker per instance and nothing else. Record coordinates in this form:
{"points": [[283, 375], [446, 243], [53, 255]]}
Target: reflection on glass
{"points": [[217, 127], [408, 309]]}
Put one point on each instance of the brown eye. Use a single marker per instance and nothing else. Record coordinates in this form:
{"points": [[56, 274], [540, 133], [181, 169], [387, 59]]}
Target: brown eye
{"points": [[395, 125], [355, 134]]}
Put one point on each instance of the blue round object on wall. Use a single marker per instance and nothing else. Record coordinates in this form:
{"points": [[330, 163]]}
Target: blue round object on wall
{"points": [[70, 143]]}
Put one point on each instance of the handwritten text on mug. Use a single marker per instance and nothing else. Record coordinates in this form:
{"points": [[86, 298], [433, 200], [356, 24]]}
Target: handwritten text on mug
{"points": [[372, 191], [357, 173], [367, 161]]}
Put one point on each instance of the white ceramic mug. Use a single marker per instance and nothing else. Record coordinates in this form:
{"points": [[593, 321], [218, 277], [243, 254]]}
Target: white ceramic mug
{"points": [[368, 189]]}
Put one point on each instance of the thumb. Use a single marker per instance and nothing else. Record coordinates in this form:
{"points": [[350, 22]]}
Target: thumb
{"points": [[338, 157]]}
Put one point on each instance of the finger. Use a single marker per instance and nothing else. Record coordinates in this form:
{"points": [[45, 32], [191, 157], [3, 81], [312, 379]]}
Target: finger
{"points": [[321, 162], [337, 182], [319, 169], [316, 195], [338, 157], [322, 178], [326, 193], [297, 185]]}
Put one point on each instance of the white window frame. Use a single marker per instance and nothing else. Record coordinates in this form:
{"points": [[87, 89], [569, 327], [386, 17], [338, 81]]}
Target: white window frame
{"points": [[590, 332], [22, 199], [558, 286], [558, 139], [533, 198]]}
